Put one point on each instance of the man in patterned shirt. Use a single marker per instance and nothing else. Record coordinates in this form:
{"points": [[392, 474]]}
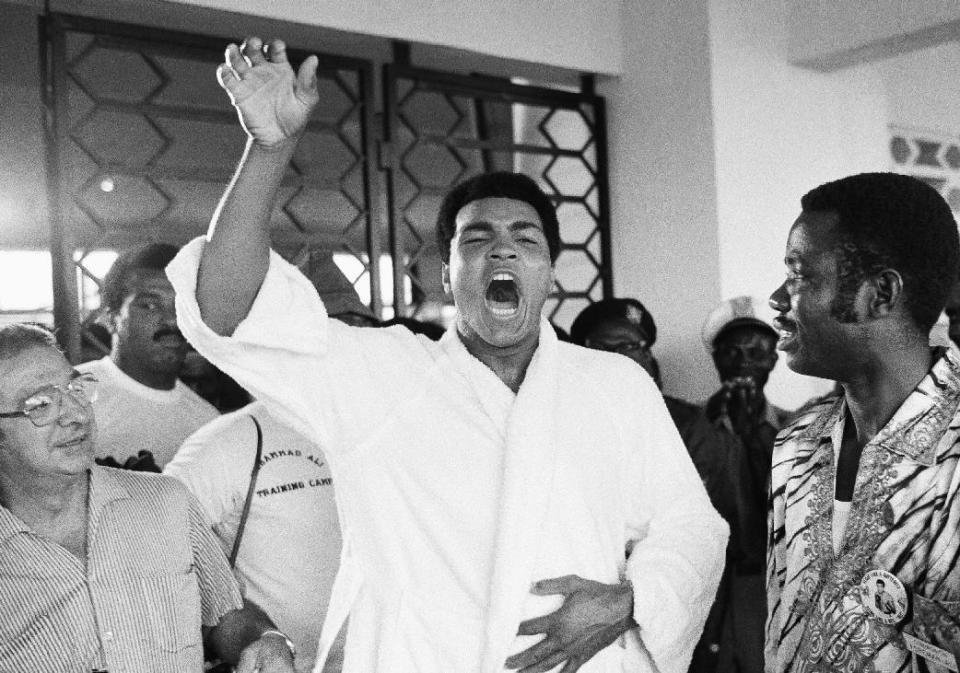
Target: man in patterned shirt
{"points": [[865, 484], [103, 569]]}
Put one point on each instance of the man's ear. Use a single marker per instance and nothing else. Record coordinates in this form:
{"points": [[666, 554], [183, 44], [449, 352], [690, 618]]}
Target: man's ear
{"points": [[111, 320], [445, 276], [885, 293]]}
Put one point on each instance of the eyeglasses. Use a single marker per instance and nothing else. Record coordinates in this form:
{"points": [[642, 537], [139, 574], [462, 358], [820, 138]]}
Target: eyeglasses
{"points": [[627, 348], [45, 405]]}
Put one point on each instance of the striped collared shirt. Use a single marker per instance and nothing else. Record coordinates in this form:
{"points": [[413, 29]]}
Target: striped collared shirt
{"points": [[154, 572]]}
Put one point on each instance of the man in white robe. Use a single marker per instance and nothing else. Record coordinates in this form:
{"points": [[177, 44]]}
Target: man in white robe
{"points": [[468, 469]]}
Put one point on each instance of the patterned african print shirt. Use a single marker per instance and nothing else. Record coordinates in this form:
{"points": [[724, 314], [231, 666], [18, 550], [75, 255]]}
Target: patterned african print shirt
{"points": [[824, 614]]}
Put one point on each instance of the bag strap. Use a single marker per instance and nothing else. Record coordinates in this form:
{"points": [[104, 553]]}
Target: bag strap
{"points": [[250, 489]]}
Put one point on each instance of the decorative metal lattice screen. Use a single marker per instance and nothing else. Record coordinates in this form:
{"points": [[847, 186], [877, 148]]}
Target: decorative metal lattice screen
{"points": [[442, 128], [142, 141], [931, 156]]}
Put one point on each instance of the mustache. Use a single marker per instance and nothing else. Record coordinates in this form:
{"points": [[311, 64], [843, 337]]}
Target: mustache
{"points": [[167, 331]]}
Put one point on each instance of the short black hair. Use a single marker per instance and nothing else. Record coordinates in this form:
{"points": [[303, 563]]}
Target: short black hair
{"points": [[891, 221], [498, 184], [152, 257]]}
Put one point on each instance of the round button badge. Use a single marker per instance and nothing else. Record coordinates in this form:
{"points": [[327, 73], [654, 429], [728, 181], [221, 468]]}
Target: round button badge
{"points": [[885, 596]]}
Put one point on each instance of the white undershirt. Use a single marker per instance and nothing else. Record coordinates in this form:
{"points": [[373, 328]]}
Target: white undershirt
{"points": [[841, 508], [841, 513]]}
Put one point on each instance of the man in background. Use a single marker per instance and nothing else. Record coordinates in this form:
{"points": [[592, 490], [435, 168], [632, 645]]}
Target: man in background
{"points": [[144, 411], [743, 347], [290, 547]]}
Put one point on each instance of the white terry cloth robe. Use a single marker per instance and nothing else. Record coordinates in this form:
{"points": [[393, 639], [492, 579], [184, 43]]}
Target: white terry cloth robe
{"points": [[455, 494]]}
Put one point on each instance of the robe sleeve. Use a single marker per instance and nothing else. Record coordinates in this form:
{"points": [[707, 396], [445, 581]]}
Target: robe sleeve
{"points": [[678, 539], [331, 382]]}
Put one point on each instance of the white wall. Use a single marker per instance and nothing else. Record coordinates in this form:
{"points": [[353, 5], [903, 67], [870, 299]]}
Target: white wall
{"points": [[662, 183], [780, 131], [826, 32], [922, 88], [566, 33]]}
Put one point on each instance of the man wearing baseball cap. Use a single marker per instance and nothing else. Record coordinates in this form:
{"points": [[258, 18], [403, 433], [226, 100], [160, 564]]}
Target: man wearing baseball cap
{"points": [[743, 346]]}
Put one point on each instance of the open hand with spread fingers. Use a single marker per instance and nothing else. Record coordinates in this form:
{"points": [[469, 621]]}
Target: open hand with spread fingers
{"points": [[593, 615], [272, 102]]}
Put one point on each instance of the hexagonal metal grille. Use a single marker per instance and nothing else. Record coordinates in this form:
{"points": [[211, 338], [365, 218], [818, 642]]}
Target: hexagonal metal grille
{"points": [[141, 143], [931, 156], [443, 128]]}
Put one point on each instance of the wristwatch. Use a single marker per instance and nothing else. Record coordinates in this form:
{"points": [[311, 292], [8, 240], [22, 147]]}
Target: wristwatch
{"points": [[286, 640]]}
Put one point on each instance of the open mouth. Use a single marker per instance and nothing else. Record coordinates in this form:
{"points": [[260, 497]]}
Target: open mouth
{"points": [[503, 295], [787, 332], [72, 442]]}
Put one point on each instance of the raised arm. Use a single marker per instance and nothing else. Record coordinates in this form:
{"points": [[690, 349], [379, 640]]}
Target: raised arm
{"points": [[273, 105]]}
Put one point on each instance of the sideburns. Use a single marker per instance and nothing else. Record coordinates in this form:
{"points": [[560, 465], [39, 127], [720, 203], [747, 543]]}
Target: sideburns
{"points": [[854, 265]]}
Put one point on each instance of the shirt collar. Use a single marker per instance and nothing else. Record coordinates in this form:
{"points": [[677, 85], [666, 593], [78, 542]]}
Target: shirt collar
{"points": [[105, 487], [10, 525], [822, 425], [770, 415], [917, 425]]}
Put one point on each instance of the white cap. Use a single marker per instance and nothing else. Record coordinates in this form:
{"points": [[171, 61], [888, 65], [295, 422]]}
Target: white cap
{"points": [[737, 311]]}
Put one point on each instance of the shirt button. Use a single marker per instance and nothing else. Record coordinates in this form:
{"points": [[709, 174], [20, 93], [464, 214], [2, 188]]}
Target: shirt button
{"points": [[108, 636], [714, 648]]}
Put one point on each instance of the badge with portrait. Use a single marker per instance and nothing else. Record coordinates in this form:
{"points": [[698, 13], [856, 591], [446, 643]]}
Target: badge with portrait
{"points": [[884, 596], [933, 637]]}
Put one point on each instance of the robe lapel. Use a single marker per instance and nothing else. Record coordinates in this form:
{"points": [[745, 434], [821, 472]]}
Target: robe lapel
{"points": [[493, 395], [528, 470]]}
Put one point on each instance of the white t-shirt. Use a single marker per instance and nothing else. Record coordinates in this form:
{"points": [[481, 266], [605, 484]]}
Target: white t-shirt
{"points": [[290, 549], [132, 417]]}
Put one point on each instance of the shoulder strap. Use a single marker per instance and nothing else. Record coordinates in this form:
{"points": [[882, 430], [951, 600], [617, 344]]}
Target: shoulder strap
{"points": [[250, 489]]}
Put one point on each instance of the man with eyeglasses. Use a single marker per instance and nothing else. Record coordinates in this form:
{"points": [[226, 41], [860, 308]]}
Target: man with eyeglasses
{"points": [[102, 569]]}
